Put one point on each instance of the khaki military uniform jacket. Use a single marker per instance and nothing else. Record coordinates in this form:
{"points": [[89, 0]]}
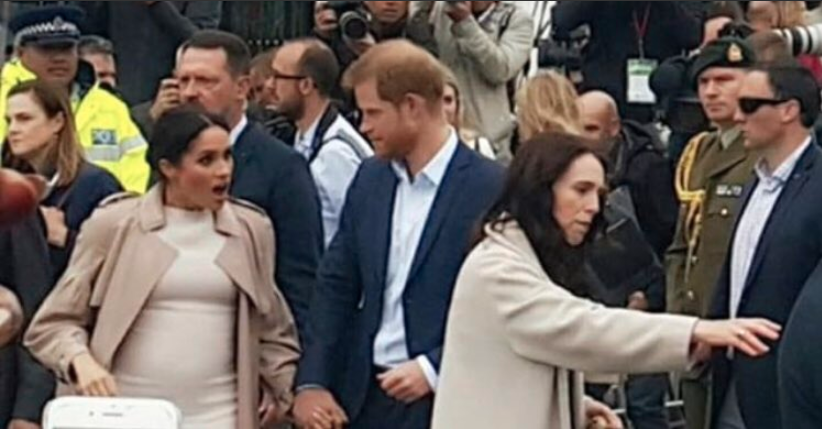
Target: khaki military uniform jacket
{"points": [[710, 183]]}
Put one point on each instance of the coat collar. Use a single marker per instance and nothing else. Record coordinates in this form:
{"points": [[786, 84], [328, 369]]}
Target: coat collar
{"points": [[152, 215]]}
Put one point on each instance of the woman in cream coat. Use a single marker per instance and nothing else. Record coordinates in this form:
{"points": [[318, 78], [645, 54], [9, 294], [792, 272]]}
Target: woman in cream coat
{"points": [[520, 334], [171, 296]]}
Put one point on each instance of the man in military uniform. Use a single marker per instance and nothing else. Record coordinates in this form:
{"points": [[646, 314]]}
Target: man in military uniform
{"points": [[45, 42], [710, 180]]}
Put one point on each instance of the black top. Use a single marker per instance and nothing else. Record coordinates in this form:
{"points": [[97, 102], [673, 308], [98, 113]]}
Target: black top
{"points": [[78, 201]]}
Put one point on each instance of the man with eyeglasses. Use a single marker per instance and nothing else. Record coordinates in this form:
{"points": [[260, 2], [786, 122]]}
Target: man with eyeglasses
{"points": [[777, 243], [709, 184], [304, 76]]}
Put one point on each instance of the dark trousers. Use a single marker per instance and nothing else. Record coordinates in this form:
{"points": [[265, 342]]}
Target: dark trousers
{"points": [[646, 400], [382, 412]]}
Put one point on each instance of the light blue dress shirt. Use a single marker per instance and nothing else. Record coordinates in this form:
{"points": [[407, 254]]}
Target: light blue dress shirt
{"points": [[412, 208]]}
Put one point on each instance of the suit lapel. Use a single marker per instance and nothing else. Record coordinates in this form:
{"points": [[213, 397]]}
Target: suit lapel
{"points": [[783, 207], [379, 231], [443, 205], [242, 154]]}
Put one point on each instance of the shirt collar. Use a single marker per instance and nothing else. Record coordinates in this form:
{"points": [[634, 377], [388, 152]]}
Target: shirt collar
{"points": [[238, 130], [781, 175], [435, 171], [728, 137], [306, 140]]}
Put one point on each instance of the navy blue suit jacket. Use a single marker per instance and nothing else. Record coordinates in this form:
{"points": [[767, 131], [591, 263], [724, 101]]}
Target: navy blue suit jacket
{"points": [[276, 178], [789, 251], [78, 201], [800, 361], [346, 313]]}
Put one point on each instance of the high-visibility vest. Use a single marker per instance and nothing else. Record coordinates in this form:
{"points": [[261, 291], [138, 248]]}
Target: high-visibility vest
{"points": [[105, 129]]}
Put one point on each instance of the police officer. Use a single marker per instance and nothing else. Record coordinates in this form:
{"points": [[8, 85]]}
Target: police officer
{"points": [[710, 180], [45, 44]]}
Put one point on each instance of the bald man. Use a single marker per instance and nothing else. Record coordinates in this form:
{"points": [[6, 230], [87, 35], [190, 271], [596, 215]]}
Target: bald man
{"points": [[600, 116], [305, 74], [640, 168]]}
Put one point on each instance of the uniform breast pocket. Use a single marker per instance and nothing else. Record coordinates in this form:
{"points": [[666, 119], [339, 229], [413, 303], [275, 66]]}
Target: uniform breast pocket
{"points": [[718, 225]]}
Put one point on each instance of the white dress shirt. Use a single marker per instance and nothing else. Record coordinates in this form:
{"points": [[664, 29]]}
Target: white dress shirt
{"points": [[333, 169], [755, 218], [412, 207], [238, 130]]}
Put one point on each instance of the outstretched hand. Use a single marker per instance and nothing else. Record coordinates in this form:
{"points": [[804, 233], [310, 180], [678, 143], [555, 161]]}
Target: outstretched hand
{"points": [[745, 335]]}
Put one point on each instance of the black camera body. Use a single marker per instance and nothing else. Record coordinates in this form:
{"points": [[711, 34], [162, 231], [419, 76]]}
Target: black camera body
{"points": [[354, 19], [678, 97]]}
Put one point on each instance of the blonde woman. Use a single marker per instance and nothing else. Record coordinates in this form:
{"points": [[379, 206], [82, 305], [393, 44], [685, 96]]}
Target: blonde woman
{"points": [[548, 103], [454, 106]]}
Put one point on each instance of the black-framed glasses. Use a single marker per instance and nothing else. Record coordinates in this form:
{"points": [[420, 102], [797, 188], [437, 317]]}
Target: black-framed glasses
{"points": [[282, 76], [750, 105]]}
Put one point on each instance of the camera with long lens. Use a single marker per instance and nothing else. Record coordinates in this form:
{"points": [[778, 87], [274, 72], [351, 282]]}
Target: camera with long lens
{"points": [[803, 40], [353, 18]]}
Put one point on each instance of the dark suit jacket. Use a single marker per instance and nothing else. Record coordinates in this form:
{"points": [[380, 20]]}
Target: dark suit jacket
{"points": [[789, 251], [800, 362], [346, 313], [78, 201], [25, 386], [276, 178]]}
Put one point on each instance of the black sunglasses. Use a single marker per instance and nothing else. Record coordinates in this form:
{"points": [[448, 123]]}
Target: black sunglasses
{"points": [[281, 76], [749, 106]]}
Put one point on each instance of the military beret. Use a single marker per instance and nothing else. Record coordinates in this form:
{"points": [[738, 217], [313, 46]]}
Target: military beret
{"points": [[728, 52]]}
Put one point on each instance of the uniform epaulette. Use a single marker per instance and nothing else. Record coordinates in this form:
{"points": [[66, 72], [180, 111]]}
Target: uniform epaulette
{"points": [[116, 198], [248, 205]]}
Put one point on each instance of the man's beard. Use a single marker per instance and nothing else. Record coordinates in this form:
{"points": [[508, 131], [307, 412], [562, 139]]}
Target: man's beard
{"points": [[294, 111]]}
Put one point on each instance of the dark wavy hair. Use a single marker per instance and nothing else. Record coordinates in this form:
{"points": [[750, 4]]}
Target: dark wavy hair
{"points": [[176, 131], [528, 199]]}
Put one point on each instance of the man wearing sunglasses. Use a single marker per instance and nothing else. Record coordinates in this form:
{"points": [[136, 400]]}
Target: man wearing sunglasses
{"points": [[777, 242], [709, 183]]}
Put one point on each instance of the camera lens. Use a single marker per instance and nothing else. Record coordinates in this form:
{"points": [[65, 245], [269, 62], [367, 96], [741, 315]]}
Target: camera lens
{"points": [[354, 26]]}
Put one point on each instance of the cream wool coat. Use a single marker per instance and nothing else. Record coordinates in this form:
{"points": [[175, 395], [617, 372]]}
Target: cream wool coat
{"points": [[517, 343], [117, 264]]}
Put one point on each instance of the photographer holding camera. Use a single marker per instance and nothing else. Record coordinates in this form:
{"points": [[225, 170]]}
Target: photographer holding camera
{"points": [[628, 41], [351, 27], [486, 44]]}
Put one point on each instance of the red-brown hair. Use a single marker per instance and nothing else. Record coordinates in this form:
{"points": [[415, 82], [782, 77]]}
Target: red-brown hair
{"points": [[399, 68]]}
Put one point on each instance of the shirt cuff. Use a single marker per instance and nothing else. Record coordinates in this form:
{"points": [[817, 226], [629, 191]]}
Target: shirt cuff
{"points": [[429, 371]]}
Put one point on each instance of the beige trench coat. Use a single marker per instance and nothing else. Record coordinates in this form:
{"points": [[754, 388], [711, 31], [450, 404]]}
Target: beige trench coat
{"points": [[118, 262], [517, 343]]}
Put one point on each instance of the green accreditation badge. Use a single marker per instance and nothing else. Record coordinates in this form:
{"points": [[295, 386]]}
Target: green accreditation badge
{"points": [[639, 81]]}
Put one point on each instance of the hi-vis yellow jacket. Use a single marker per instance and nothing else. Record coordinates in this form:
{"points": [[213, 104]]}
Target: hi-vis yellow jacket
{"points": [[106, 131]]}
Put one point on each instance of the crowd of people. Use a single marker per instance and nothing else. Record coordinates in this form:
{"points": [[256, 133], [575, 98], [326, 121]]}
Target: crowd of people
{"points": [[393, 224]]}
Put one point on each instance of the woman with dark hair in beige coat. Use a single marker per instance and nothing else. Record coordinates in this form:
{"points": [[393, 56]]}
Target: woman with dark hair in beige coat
{"points": [[521, 331], [171, 296]]}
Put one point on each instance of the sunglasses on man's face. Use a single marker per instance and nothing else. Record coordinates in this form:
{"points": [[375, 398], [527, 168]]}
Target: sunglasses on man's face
{"points": [[749, 106]]}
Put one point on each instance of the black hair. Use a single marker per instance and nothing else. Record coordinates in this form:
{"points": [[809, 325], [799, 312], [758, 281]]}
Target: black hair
{"points": [[790, 81], [528, 199], [95, 45], [176, 130], [236, 50], [319, 63]]}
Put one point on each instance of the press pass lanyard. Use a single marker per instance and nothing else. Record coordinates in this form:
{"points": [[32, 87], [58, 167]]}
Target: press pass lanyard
{"points": [[642, 29]]}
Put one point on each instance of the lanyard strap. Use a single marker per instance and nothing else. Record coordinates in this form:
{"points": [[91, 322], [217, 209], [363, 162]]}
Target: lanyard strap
{"points": [[642, 29]]}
